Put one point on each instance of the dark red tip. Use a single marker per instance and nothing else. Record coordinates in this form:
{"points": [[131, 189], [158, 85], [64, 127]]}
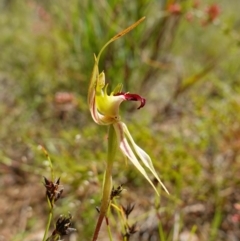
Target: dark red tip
{"points": [[133, 97]]}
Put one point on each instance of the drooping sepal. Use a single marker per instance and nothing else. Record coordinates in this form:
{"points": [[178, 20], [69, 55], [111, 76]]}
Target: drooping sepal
{"points": [[135, 154]]}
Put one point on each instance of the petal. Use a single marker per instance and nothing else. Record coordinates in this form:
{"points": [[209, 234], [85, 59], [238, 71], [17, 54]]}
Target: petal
{"points": [[99, 118], [108, 105], [97, 81], [127, 151], [92, 92], [144, 157], [133, 97]]}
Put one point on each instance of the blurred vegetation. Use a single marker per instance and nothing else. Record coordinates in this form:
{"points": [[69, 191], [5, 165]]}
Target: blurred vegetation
{"points": [[184, 59]]}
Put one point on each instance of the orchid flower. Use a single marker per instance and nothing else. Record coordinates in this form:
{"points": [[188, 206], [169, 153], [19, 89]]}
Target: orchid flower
{"points": [[104, 109]]}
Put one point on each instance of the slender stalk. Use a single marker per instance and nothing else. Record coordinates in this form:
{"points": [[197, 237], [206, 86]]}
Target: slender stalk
{"points": [[107, 182], [49, 161], [109, 230], [48, 224], [49, 202]]}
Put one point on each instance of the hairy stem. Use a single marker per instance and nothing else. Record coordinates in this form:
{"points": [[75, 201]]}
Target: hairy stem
{"points": [[107, 182]]}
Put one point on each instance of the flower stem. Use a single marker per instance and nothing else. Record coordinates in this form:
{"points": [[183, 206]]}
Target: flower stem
{"points": [[107, 182]]}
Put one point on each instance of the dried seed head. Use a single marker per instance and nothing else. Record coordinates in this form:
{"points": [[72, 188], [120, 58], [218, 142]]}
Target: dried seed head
{"points": [[128, 209], [130, 230], [116, 192], [63, 226], [53, 190]]}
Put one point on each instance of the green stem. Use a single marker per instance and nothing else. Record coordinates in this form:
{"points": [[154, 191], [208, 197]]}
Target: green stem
{"points": [[109, 230], [107, 182], [48, 224]]}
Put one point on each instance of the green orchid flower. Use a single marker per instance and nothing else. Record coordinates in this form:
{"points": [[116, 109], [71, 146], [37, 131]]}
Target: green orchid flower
{"points": [[104, 109]]}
